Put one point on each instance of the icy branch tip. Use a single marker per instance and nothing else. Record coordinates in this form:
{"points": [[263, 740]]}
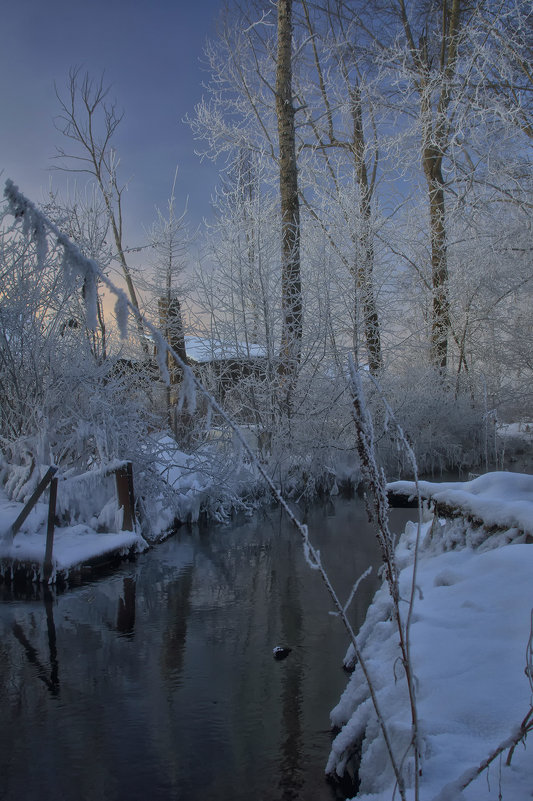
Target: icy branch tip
{"points": [[17, 202]]}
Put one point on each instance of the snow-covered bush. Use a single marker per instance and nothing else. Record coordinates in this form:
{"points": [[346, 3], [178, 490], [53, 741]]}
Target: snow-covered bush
{"points": [[61, 402], [447, 430]]}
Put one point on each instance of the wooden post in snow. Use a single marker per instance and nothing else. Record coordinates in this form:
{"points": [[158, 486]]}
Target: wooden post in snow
{"points": [[47, 567], [12, 530], [125, 496]]}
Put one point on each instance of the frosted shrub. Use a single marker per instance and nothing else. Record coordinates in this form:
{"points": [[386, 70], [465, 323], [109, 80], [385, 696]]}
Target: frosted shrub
{"points": [[66, 402], [60, 402], [446, 430]]}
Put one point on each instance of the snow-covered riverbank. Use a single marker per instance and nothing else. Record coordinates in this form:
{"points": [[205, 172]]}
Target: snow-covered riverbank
{"points": [[470, 635]]}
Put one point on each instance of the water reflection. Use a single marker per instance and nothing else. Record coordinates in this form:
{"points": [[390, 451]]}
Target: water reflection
{"points": [[48, 675], [126, 608], [168, 686]]}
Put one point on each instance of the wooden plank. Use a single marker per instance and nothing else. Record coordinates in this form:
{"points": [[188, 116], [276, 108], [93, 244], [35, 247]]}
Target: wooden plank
{"points": [[12, 530]]}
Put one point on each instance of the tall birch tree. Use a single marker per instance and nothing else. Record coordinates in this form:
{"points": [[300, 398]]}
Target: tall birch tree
{"points": [[432, 53], [291, 337], [336, 117]]}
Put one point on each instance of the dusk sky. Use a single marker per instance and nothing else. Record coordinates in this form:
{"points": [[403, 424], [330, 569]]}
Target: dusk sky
{"points": [[151, 51]]}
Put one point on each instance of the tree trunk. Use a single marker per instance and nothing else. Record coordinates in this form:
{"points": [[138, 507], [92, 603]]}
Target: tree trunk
{"points": [[171, 323], [365, 280], [291, 337], [435, 140], [365, 283], [440, 320]]}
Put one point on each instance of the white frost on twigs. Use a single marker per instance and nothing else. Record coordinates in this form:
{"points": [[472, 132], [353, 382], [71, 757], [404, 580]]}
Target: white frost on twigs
{"points": [[74, 263], [90, 299], [32, 222], [41, 242], [121, 314], [161, 355], [188, 390], [311, 555], [355, 587]]}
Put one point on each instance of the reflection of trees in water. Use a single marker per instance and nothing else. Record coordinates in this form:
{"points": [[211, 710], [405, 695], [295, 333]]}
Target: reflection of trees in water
{"points": [[262, 565], [178, 608], [126, 608], [49, 676], [291, 779], [169, 685], [224, 565]]}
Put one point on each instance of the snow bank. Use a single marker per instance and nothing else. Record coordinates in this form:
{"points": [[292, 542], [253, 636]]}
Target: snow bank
{"points": [[469, 634], [498, 499], [215, 479]]}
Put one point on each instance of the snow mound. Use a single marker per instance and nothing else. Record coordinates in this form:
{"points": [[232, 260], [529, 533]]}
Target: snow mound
{"points": [[500, 499], [470, 631]]}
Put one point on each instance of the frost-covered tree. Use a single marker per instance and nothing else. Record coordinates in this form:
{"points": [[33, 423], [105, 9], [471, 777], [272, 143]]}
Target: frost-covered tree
{"points": [[502, 85], [83, 217], [238, 293], [169, 241], [413, 173], [89, 120], [250, 107], [340, 157], [61, 403]]}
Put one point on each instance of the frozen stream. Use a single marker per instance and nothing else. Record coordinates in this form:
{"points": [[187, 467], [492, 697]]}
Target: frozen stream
{"points": [[158, 681]]}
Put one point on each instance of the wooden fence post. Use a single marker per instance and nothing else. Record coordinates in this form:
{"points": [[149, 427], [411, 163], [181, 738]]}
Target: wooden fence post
{"points": [[47, 567], [125, 496]]}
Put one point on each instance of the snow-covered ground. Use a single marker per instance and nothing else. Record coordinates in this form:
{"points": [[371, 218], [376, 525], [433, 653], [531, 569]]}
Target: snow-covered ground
{"points": [[499, 499], [470, 640]]}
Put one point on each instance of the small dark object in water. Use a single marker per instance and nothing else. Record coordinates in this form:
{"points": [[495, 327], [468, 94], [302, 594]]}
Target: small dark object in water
{"points": [[281, 653]]}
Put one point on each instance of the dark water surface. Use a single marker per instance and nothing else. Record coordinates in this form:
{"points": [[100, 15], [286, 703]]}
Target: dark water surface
{"points": [[158, 681]]}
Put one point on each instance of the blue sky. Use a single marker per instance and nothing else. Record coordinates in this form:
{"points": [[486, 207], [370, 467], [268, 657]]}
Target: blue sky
{"points": [[151, 52]]}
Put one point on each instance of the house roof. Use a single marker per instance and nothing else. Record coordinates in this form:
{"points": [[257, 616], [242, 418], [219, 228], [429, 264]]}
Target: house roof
{"points": [[205, 349]]}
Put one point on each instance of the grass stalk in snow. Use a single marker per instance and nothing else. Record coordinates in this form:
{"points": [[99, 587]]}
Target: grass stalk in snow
{"points": [[376, 482]]}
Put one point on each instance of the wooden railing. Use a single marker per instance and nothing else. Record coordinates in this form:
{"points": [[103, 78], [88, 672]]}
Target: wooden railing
{"points": [[49, 478], [125, 498]]}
